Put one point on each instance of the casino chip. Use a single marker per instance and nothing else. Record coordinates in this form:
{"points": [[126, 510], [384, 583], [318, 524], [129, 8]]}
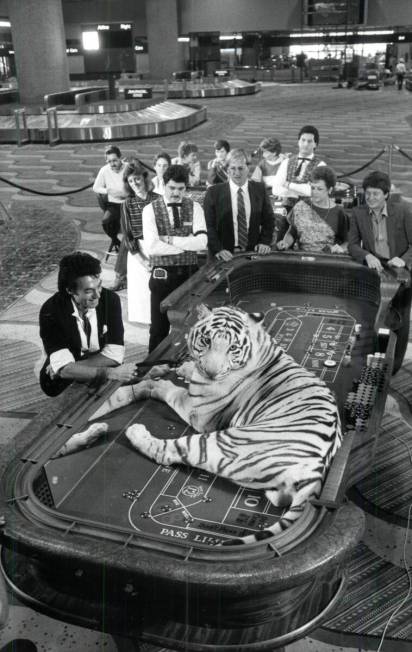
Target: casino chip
{"points": [[329, 363]]}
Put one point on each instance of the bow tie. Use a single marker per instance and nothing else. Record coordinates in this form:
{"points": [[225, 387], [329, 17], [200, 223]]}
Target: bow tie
{"points": [[303, 158], [177, 205]]}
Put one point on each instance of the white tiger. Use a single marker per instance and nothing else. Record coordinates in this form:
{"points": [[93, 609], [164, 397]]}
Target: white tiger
{"points": [[264, 421]]}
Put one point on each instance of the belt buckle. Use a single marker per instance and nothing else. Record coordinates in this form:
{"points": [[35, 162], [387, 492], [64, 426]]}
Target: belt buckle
{"points": [[160, 273]]}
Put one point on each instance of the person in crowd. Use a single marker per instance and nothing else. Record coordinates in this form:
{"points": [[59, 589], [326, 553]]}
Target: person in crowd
{"points": [[270, 157], [82, 329], [217, 167], [317, 223], [238, 213], [111, 192], [136, 179], [161, 162], [400, 73], [174, 230], [188, 156], [380, 235], [292, 178]]}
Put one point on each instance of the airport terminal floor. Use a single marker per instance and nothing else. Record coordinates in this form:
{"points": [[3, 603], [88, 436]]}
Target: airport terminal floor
{"points": [[35, 232]]}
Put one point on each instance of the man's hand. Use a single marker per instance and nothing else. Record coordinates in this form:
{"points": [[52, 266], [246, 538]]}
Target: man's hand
{"points": [[263, 249], [124, 372], [223, 254], [396, 262], [373, 263]]}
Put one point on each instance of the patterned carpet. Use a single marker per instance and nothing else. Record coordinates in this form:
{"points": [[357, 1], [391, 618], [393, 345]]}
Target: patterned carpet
{"points": [[353, 128]]}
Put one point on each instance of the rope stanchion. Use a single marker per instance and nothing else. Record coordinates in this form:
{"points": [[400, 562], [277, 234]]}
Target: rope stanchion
{"points": [[375, 158], [65, 192], [398, 149], [45, 194]]}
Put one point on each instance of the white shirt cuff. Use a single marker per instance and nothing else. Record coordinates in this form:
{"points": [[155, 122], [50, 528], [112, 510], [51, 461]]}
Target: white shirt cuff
{"points": [[114, 352], [60, 359]]}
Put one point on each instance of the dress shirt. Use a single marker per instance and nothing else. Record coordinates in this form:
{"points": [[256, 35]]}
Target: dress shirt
{"points": [[295, 189], [380, 232], [110, 183], [152, 245], [233, 197], [61, 358]]}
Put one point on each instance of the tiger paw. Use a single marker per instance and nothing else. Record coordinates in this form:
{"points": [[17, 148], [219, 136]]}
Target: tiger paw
{"points": [[139, 436], [83, 439]]}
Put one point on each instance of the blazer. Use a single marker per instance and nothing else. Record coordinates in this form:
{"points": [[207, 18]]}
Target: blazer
{"points": [[58, 330], [219, 218], [399, 226]]}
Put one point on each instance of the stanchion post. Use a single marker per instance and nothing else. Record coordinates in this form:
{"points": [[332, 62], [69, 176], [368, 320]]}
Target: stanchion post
{"points": [[52, 126], [390, 161], [184, 88], [21, 113], [166, 89]]}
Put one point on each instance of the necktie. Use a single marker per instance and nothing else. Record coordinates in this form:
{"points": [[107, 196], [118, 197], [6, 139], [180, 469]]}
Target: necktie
{"points": [[87, 329], [176, 216], [300, 163], [242, 234]]}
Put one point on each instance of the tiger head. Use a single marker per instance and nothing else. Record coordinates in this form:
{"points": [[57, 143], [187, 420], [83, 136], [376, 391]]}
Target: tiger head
{"points": [[225, 339]]}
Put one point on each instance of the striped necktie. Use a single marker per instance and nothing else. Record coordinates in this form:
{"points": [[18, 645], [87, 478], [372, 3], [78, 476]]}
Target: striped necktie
{"points": [[242, 234]]}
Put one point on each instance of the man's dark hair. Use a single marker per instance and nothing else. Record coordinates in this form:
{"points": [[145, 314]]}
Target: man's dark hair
{"points": [[222, 143], [309, 129], [176, 173], [113, 149], [164, 155], [324, 173], [377, 180], [75, 266]]}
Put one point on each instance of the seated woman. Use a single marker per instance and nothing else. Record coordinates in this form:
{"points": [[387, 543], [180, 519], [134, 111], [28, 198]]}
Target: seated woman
{"points": [[216, 168], [161, 162], [188, 156], [137, 182], [318, 223], [270, 157]]}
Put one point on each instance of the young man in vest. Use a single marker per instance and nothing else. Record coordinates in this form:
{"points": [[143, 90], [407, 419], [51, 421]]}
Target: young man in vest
{"points": [[292, 178], [174, 230]]}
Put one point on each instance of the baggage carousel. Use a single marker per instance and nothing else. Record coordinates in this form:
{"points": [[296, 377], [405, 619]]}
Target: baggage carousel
{"points": [[193, 90], [159, 119]]}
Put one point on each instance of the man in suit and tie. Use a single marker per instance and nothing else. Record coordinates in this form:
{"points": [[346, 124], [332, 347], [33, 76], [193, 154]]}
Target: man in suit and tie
{"points": [[380, 235], [238, 213], [82, 329]]}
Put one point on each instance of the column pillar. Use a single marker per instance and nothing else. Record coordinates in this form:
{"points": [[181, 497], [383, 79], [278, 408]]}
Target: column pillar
{"points": [[165, 53], [39, 44]]}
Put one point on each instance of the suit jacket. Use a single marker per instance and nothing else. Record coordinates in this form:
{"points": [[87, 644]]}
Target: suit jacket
{"points": [[219, 218], [399, 226], [58, 330]]}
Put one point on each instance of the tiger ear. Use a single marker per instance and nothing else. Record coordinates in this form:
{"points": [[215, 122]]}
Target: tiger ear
{"points": [[258, 317], [203, 311]]}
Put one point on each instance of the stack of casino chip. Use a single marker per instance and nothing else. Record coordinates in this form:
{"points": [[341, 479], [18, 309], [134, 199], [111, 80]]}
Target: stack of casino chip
{"points": [[360, 401]]}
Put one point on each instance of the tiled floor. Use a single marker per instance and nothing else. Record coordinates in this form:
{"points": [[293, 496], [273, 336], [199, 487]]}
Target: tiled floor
{"points": [[354, 127]]}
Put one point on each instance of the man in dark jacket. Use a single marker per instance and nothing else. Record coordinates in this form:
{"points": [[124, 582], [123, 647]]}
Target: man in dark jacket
{"points": [[380, 235], [239, 215], [82, 329]]}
